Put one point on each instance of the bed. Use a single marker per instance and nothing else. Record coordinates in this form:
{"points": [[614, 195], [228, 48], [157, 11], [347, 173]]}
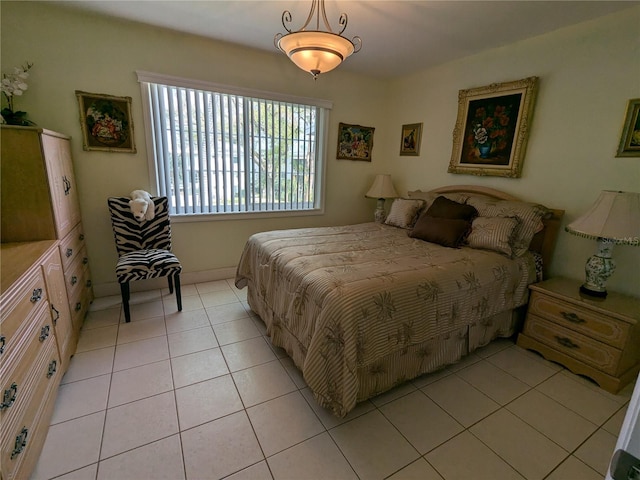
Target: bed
{"points": [[363, 308]]}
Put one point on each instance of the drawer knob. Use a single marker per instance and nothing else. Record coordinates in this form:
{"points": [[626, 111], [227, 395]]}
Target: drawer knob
{"points": [[74, 280], [572, 317], [21, 442], [78, 306], [36, 296], [3, 342], [53, 366], [88, 283], [565, 342], [44, 333], [81, 237], [85, 260], [66, 185], [69, 252], [57, 316], [9, 396]]}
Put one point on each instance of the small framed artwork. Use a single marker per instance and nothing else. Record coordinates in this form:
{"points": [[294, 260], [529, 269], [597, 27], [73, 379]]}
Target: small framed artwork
{"points": [[490, 136], [410, 139], [106, 122], [630, 139], [355, 142]]}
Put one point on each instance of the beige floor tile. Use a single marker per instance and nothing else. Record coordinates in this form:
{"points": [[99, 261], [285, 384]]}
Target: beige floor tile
{"points": [[465, 457], [102, 318], [580, 398], [138, 423], [135, 354], [263, 382], [269, 418], [220, 448], [372, 446], [146, 310], [161, 460], [574, 469], [140, 382], [186, 320], [185, 290], [206, 401], [141, 330], [393, 394], [461, 400], [621, 398], [418, 470], [429, 378], [189, 303], [493, 382], [247, 353], [328, 419], [236, 331], [144, 296], [197, 367], [213, 286], [528, 451], [226, 313], [421, 421], [96, 338], [213, 299], [258, 471], [102, 303], [597, 451], [86, 473], [464, 362], [85, 365], [81, 440], [494, 347], [241, 294], [293, 371], [315, 458], [81, 398], [563, 426], [191, 341], [614, 424], [523, 365]]}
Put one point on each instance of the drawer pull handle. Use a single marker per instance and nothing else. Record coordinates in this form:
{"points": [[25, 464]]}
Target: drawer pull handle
{"points": [[21, 442], [85, 260], [81, 237], [69, 252], [565, 342], [572, 317], [88, 283], [74, 280], [9, 396], [3, 342], [53, 366], [57, 317], [36, 296], [67, 185], [78, 306], [44, 333]]}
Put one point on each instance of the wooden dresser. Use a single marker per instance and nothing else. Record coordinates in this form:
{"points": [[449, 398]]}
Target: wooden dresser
{"points": [[46, 287], [598, 338]]}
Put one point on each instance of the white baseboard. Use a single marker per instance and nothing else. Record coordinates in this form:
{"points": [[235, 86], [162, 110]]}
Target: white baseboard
{"points": [[188, 278]]}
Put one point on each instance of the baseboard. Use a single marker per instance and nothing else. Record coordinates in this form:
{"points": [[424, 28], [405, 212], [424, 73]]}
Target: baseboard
{"points": [[188, 278]]}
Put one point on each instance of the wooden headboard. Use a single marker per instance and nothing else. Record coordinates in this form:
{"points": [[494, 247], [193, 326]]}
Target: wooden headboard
{"points": [[543, 242]]}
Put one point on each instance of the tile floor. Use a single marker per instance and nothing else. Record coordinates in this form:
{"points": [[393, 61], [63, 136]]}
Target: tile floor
{"points": [[201, 394]]}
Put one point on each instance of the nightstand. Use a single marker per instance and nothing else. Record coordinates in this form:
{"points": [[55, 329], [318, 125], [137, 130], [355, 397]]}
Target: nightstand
{"points": [[597, 338]]}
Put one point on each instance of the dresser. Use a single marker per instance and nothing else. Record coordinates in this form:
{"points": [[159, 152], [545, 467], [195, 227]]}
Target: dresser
{"points": [[594, 337]]}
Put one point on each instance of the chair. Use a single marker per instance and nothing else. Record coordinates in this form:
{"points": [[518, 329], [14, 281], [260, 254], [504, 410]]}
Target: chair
{"points": [[144, 248]]}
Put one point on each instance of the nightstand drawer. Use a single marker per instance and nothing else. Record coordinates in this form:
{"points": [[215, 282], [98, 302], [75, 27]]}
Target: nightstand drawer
{"points": [[590, 323], [603, 357]]}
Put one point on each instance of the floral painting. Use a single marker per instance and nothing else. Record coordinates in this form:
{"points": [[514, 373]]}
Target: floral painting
{"points": [[492, 128], [630, 139], [106, 122], [355, 142]]}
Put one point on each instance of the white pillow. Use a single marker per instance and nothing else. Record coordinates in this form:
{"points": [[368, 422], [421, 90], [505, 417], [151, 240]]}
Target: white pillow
{"points": [[404, 212]]}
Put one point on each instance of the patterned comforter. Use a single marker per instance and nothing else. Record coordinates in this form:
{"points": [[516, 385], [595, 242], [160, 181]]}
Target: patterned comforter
{"points": [[340, 299]]}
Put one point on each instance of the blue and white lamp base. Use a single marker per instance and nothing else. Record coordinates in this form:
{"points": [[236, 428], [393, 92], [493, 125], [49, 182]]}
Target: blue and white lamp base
{"points": [[598, 269]]}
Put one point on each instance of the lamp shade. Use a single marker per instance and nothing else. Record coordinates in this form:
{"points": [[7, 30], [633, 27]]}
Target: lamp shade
{"points": [[316, 52], [614, 216], [382, 187]]}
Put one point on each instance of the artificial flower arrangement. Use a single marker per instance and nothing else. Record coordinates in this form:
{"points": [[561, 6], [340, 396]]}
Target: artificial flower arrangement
{"points": [[14, 85]]}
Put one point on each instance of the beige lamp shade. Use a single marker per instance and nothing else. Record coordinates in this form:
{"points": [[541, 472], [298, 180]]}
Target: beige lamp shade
{"points": [[316, 52], [382, 187]]}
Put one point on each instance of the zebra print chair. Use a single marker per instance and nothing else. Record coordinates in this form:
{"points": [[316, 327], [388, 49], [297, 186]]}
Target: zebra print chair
{"points": [[144, 248]]}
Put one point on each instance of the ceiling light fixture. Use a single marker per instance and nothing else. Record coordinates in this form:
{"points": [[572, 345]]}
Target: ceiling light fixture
{"points": [[316, 51]]}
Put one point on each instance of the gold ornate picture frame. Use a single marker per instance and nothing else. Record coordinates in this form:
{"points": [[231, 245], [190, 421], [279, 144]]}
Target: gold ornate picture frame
{"points": [[630, 138], [410, 139], [491, 132], [106, 122]]}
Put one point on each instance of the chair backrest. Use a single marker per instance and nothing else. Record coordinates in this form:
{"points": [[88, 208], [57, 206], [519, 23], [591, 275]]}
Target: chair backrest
{"points": [[132, 235]]}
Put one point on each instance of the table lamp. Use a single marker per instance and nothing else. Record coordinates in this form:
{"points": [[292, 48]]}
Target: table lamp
{"points": [[613, 220], [381, 189]]}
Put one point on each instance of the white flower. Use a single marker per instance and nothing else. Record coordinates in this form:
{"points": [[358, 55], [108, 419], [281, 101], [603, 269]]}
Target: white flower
{"points": [[15, 83]]}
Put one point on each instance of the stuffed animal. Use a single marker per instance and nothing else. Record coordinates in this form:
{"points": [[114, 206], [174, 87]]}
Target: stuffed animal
{"points": [[142, 206]]}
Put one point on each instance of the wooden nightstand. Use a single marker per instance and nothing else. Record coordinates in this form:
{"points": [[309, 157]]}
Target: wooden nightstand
{"points": [[598, 338]]}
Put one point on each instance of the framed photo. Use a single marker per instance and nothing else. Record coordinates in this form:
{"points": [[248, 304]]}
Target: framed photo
{"points": [[410, 139], [106, 122], [355, 142], [490, 136], [630, 139]]}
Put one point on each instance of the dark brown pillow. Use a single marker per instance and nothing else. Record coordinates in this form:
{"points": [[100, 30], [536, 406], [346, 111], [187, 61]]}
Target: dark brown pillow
{"points": [[448, 232], [442, 207]]}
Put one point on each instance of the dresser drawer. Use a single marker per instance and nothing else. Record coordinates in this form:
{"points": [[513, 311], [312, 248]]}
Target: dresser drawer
{"points": [[71, 246], [590, 323], [75, 273], [80, 300], [587, 350]]}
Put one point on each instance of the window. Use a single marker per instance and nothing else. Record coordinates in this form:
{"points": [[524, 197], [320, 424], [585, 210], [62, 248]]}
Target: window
{"points": [[222, 150]]}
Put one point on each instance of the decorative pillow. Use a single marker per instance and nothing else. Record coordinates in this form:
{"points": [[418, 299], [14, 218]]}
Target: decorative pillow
{"points": [[444, 208], [530, 217], [447, 232], [404, 212], [493, 233], [429, 197]]}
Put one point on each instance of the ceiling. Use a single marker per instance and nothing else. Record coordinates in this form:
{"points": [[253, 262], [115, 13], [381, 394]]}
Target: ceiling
{"points": [[399, 37]]}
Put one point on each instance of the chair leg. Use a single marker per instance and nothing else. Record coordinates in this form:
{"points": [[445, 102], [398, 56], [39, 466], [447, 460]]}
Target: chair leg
{"points": [[170, 278], [124, 290], [176, 281]]}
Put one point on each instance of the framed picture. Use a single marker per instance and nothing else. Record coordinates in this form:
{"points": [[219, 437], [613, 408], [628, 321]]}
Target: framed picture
{"points": [[106, 122], [410, 139], [490, 136], [355, 142], [630, 139]]}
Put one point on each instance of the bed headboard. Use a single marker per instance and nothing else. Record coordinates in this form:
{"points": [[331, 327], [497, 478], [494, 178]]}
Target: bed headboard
{"points": [[543, 242]]}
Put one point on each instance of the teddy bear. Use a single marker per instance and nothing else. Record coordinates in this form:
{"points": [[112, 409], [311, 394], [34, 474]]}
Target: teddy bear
{"points": [[142, 206]]}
